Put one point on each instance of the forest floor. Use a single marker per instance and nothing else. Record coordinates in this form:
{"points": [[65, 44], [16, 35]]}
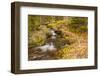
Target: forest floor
{"points": [[79, 49]]}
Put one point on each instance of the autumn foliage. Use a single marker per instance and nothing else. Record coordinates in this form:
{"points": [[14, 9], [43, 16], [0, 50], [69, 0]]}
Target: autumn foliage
{"points": [[71, 39]]}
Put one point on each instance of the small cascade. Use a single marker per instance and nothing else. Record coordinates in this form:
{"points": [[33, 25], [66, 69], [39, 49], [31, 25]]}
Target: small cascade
{"points": [[53, 38], [49, 46]]}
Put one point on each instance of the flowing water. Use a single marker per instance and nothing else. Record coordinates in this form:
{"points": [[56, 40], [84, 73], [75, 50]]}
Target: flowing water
{"points": [[49, 46]]}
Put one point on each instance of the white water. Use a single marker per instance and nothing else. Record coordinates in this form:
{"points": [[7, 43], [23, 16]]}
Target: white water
{"points": [[49, 46]]}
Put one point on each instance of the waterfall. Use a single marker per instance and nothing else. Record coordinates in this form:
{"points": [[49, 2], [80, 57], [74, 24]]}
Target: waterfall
{"points": [[49, 46]]}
